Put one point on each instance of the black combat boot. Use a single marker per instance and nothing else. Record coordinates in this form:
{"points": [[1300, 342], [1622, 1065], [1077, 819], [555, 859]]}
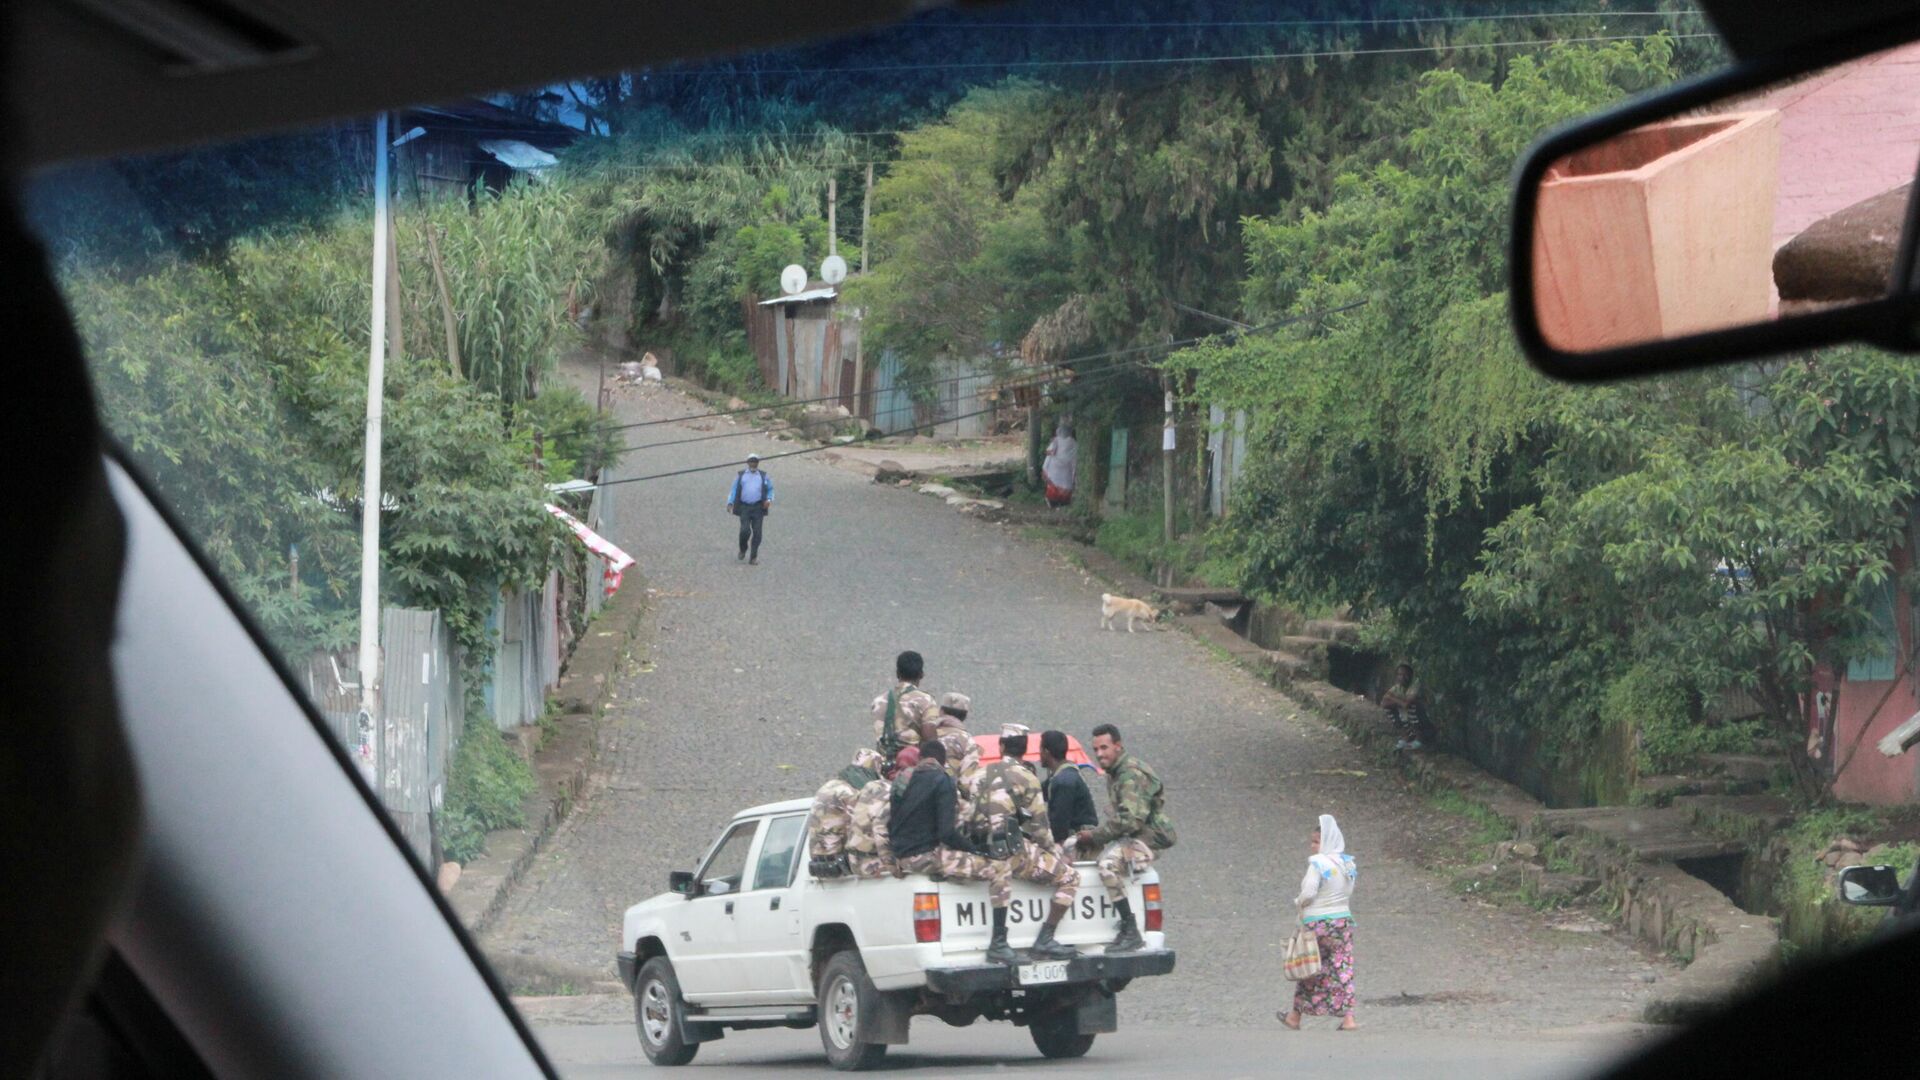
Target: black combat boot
{"points": [[999, 952], [1129, 939], [1045, 948]]}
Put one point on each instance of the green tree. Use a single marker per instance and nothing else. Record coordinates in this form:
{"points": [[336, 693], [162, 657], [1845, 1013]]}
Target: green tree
{"points": [[961, 263], [1395, 433]]}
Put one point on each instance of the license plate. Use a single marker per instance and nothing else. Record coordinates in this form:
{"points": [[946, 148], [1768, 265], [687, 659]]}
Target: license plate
{"points": [[1052, 971]]}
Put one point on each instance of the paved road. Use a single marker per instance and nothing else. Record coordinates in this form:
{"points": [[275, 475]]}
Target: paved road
{"points": [[607, 1052], [757, 687]]}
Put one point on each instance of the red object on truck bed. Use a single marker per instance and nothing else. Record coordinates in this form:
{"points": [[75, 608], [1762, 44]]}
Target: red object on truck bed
{"points": [[990, 751]]}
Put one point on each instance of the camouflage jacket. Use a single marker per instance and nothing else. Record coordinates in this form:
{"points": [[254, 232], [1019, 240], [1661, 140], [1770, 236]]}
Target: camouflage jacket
{"points": [[963, 754], [832, 818], [1007, 794], [913, 708], [872, 808], [1136, 805]]}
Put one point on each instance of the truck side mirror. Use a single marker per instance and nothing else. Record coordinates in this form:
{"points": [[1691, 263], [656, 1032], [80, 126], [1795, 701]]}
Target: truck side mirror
{"points": [[1870, 886], [681, 881]]}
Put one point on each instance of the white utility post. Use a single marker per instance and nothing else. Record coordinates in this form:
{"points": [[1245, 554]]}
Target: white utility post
{"points": [[833, 205], [370, 485]]}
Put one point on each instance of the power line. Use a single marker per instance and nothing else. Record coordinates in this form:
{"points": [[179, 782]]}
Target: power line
{"points": [[1228, 23], [1074, 379], [1110, 369], [1163, 60], [1071, 361], [789, 453]]}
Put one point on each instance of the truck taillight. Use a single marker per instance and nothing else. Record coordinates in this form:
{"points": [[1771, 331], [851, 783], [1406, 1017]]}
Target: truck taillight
{"points": [[1151, 894], [926, 916]]}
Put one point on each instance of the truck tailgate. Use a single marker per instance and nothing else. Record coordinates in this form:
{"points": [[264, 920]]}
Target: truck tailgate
{"points": [[966, 915]]}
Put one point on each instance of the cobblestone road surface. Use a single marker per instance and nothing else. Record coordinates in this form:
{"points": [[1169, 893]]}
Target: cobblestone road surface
{"points": [[757, 684]]}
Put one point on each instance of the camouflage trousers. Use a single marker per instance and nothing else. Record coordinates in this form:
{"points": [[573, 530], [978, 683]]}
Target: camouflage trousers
{"points": [[1043, 866], [872, 866], [964, 866], [1129, 854]]}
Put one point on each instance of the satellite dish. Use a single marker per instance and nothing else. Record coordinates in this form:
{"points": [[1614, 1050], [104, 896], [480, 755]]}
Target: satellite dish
{"points": [[834, 270], [793, 279]]}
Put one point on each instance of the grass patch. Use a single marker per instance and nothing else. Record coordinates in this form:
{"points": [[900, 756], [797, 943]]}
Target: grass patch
{"points": [[487, 785], [1813, 921]]}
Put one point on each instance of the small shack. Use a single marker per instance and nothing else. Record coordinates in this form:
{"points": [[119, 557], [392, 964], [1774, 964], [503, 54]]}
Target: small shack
{"points": [[808, 347], [472, 145]]}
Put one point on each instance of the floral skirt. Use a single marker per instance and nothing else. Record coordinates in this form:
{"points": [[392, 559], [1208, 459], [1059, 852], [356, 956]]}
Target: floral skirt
{"points": [[1329, 993]]}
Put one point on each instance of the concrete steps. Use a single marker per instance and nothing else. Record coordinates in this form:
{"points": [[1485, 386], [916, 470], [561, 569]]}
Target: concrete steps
{"points": [[1193, 600], [1651, 833], [1347, 633]]}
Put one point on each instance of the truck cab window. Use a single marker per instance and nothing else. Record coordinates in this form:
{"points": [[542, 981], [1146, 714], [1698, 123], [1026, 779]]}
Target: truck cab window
{"points": [[775, 869], [727, 868]]}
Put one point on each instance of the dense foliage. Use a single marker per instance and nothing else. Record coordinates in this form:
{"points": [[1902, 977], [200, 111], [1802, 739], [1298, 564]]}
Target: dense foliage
{"points": [[1568, 567]]}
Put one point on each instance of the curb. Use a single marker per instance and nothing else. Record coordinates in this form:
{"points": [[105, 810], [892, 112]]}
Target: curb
{"points": [[563, 760], [1724, 949]]}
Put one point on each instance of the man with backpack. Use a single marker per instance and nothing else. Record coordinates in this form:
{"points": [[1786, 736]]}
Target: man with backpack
{"points": [[1137, 827], [750, 500]]}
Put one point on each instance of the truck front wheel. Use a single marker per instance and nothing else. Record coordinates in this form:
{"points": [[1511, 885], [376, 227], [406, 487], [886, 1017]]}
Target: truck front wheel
{"points": [[847, 999], [657, 1012], [1056, 1036]]}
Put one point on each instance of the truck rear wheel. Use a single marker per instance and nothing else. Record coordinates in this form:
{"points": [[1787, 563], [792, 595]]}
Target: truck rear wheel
{"points": [[657, 1012], [847, 1000], [1055, 1036]]}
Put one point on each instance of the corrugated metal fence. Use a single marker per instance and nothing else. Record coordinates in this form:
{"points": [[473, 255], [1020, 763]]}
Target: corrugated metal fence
{"points": [[422, 698], [526, 658], [960, 390]]}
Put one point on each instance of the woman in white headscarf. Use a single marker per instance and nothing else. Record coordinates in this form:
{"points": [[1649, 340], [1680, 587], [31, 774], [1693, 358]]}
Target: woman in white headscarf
{"points": [[1063, 458], [1324, 902]]}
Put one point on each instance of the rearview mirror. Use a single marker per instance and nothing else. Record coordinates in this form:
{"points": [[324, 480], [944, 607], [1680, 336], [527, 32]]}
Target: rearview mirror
{"points": [[1870, 886], [680, 881], [1748, 213]]}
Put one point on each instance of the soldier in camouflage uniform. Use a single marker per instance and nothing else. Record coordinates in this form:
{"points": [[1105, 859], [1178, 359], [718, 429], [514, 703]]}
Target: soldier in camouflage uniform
{"points": [[927, 840], [963, 754], [1010, 821], [1137, 826], [869, 847], [904, 715], [833, 813]]}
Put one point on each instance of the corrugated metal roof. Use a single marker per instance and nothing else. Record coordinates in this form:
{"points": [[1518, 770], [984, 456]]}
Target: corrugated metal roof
{"points": [[810, 294], [517, 154]]}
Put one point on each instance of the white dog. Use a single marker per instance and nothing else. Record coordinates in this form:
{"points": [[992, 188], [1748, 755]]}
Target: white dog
{"points": [[1112, 607]]}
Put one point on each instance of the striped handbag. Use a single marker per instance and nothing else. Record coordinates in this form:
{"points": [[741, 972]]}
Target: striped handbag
{"points": [[1303, 954]]}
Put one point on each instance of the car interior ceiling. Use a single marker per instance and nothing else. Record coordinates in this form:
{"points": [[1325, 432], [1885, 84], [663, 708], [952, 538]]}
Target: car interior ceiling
{"points": [[84, 86]]}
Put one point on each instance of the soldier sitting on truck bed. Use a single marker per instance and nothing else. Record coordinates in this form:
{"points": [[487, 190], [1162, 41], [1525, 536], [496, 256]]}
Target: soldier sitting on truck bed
{"points": [[1137, 825], [927, 840], [963, 754], [1010, 822], [869, 843], [904, 715], [833, 814]]}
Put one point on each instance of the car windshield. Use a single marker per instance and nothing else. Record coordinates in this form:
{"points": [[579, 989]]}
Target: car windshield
{"points": [[1143, 369]]}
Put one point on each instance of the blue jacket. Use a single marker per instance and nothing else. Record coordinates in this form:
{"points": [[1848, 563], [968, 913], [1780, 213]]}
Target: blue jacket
{"points": [[733, 496]]}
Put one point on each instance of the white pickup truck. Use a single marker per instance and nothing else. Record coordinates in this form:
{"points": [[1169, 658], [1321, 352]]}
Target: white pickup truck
{"points": [[751, 940]]}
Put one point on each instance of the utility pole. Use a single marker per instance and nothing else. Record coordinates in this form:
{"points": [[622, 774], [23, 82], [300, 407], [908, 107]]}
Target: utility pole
{"points": [[1166, 462], [833, 202], [866, 211], [370, 484]]}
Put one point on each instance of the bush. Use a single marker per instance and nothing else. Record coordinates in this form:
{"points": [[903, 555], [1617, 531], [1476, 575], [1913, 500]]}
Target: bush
{"points": [[1813, 920], [1655, 709], [487, 786]]}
